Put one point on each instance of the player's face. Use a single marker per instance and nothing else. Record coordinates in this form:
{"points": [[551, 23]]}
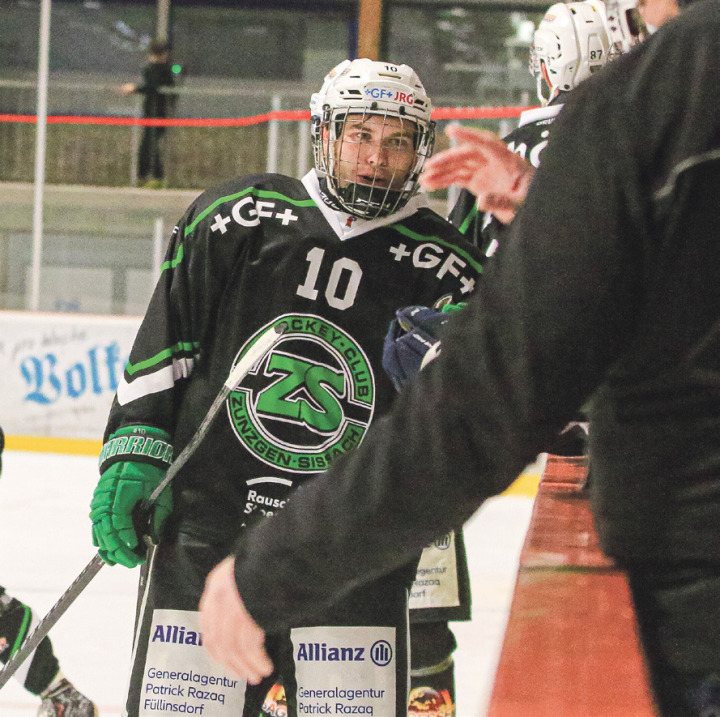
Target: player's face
{"points": [[375, 151], [657, 12]]}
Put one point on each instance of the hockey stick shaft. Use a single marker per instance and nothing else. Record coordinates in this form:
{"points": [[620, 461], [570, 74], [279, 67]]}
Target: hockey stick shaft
{"points": [[47, 623], [243, 367], [257, 351]]}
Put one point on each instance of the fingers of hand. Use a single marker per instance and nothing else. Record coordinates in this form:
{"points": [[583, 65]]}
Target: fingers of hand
{"points": [[230, 634], [244, 656], [471, 135], [445, 175], [111, 547], [459, 165]]}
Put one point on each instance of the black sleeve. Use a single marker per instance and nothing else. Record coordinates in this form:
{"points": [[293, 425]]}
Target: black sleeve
{"points": [[464, 215], [180, 321], [554, 311]]}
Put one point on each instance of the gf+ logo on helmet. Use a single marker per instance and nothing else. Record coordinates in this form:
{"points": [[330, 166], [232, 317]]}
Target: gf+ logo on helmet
{"points": [[380, 93]]}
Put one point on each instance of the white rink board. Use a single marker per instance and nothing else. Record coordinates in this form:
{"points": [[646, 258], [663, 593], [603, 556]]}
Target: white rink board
{"points": [[45, 543], [59, 372]]}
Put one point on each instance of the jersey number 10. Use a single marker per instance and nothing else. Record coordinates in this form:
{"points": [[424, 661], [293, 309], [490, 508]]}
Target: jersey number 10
{"points": [[307, 288]]}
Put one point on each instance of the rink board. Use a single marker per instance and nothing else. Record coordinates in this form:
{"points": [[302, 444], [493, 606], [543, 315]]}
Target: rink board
{"points": [[59, 372]]}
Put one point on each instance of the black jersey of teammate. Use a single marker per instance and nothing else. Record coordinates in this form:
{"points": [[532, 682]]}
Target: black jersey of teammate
{"points": [[528, 140], [246, 256]]}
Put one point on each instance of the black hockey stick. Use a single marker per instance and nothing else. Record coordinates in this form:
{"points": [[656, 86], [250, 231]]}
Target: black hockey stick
{"points": [[255, 353]]}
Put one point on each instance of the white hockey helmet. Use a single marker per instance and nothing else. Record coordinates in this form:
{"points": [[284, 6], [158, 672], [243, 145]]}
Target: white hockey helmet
{"points": [[364, 88], [625, 25], [570, 43]]}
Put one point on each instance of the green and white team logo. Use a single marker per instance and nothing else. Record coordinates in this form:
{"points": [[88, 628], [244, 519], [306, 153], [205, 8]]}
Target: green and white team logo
{"points": [[310, 400]]}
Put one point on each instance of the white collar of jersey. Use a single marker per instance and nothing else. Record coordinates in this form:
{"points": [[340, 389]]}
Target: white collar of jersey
{"points": [[339, 220], [539, 113]]}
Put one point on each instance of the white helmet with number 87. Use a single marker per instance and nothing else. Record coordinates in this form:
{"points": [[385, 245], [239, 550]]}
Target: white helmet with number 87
{"points": [[570, 43], [371, 133]]}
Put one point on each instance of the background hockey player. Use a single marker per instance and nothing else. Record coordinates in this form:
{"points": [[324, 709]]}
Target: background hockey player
{"points": [[606, 285], [571, 42], [40, 674], [332, 256]]}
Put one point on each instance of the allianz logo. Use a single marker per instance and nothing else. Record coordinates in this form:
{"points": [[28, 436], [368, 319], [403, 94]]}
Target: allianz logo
{"points": [[177, 635], [380, 653]]}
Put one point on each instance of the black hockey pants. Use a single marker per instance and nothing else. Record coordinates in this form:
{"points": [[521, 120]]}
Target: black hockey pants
{"points": [[354, 654]]}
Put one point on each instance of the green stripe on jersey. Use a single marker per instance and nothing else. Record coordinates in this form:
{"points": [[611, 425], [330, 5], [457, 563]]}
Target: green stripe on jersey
{"points": [[164, 354], [22, 632], [421, 238], [173, 262], [264, 193], [468, 220]]}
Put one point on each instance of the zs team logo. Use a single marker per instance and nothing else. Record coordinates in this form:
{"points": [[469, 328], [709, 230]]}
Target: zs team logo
{"points": [[308, 401]]}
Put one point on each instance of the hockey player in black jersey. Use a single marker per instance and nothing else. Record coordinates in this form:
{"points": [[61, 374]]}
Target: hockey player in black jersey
{"points": [[572, 41], [40, 675], [332, 256]]}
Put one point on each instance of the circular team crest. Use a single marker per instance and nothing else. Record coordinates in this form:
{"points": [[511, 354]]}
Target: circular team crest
{"points": [[308, 401]]}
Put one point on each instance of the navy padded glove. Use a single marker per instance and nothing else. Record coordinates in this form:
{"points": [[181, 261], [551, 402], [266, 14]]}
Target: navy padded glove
{"points": [[413, 340]]}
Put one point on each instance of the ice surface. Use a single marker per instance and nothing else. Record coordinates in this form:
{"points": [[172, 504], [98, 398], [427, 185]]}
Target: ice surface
{"points": [[45, 543]]}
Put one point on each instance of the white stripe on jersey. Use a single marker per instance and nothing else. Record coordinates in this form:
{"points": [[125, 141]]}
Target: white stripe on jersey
{"points": [[539, 113], [22, 671], [159, 380]]}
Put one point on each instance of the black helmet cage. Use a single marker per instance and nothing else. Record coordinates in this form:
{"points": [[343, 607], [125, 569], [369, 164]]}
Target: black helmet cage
{"points": [[362, 200]]}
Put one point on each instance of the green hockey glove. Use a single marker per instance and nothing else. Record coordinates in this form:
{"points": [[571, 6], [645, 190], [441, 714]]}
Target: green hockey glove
{"points": [[133, 462]]}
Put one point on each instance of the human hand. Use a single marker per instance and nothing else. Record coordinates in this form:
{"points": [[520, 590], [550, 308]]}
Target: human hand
{"points": [[482, 164], [230, 634], [127, 88]]}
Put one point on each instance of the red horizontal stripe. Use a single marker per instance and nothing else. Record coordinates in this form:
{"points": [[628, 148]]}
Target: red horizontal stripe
{"points": [[439, 113]]}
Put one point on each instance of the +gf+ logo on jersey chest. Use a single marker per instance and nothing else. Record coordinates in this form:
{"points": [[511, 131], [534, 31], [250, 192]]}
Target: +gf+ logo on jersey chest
{"points": [[429, 255], [247, 213]]}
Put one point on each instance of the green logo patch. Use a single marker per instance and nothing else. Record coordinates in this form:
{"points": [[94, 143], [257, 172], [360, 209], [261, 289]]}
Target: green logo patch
{"points": [[310, 400]]}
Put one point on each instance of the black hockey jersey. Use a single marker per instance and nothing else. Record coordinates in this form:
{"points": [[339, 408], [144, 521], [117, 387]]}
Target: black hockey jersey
{"points": [[528, 140], [246, 256]]}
